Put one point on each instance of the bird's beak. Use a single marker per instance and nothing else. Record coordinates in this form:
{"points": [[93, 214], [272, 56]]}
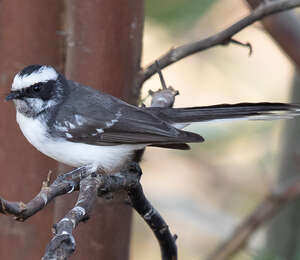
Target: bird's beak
{"points": [[13, 95]]}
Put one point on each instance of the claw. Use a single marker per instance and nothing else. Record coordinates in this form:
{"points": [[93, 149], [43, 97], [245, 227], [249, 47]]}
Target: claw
{"points": [[72, 184]]}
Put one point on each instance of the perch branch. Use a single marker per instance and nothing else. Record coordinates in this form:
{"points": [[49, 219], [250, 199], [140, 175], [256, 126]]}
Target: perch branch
{"points": [[222, 38], [60, 186], [267, 209], [62, 245]]}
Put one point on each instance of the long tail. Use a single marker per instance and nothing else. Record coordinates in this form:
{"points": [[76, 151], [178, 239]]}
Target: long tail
{"points": [[251, 111]]}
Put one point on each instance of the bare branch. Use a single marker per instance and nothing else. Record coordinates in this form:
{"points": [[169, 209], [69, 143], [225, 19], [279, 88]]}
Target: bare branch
{"points": [[62, 245], [61, 186], [221, 38], [267, 209], [154, 220], [129, 181]]}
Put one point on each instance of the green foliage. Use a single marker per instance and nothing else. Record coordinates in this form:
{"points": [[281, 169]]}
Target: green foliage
{"points": [[176, 14]]}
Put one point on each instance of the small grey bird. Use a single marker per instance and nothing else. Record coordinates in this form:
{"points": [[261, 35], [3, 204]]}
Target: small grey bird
{"points": [[80, 126]]}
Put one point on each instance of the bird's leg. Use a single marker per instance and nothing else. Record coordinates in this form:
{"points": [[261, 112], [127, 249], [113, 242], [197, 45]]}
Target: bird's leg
{"points": [[135, 168]]}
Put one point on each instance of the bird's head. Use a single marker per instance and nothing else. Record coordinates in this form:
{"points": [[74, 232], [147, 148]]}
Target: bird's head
{"points": [[35, 89]]}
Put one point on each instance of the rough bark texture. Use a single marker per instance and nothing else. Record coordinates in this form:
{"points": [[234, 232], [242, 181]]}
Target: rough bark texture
{"points": [[103, 51], [27, 36]]}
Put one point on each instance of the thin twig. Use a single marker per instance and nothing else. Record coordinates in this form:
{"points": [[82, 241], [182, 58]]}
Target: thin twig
{"points": [[178, 53], [164, 97], [247, 44], [267, 209], [161, 77]]}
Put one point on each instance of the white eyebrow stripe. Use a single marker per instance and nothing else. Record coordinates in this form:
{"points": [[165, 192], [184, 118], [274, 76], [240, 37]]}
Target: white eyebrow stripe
{"points": [[44, 74]]}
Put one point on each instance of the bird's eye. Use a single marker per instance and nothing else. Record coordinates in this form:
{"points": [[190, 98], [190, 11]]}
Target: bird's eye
{"points": [[36, 87]]}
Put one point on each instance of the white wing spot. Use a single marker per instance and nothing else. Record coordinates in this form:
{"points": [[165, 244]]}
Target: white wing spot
{"points": [[70, 125], [68, 135], [60, 127], [99, 130], [79, 120], [113, 121]]}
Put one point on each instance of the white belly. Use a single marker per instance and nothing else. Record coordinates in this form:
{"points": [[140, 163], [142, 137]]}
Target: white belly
{"points": [[108, 158]]}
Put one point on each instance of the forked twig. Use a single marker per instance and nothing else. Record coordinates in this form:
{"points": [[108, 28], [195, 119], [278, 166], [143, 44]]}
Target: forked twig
{"points": [[264, 9]]}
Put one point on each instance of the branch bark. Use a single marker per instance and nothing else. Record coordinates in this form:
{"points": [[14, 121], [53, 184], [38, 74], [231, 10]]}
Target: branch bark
{"points": [[221, 38], [63, 243], [154, 220], [59, 187]]}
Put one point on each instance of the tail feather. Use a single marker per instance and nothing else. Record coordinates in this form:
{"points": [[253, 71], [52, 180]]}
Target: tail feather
{"points": [[251, 111]]}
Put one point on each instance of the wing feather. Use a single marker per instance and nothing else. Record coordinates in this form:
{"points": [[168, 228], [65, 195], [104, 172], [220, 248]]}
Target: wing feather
{"points": [[111, 121]]}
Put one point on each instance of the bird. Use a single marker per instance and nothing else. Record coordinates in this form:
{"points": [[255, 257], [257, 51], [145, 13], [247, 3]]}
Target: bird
{"points": [[83, 127]]}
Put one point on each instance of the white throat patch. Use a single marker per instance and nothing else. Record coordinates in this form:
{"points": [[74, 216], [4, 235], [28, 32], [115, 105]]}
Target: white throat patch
{"points": [[44, 74]]}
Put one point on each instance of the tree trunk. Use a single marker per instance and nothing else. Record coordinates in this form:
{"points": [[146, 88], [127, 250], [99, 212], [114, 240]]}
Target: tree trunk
{"points": [[283, 237], [104, 40], [28, 35], [284, 232]]}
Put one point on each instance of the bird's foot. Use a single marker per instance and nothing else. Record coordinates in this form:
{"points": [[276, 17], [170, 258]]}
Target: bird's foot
{"points": [[73, 177]]}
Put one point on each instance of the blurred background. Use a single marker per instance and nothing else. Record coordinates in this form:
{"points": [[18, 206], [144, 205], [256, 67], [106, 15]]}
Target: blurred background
{"points": [[204, 193]]}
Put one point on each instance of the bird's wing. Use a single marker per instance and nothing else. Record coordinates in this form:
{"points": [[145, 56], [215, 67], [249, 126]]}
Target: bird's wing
{"points": [[92, 117]]}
